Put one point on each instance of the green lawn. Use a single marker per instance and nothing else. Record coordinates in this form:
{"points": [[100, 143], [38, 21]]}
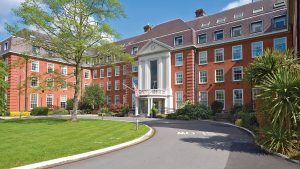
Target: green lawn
{"points": [[29, 141]]}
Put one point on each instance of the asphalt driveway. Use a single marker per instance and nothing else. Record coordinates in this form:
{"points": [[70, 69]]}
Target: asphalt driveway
{"points": [[189, 145]]}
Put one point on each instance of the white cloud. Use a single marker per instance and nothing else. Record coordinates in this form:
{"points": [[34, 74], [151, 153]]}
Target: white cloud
{"points": [[236, 3]]}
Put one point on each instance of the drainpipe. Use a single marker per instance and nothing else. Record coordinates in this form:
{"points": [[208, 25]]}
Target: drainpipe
{"points": [[195, 74], [26, 81]]}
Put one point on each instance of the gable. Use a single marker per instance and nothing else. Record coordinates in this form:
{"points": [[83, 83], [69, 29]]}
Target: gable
{"points": [[152, 47]]}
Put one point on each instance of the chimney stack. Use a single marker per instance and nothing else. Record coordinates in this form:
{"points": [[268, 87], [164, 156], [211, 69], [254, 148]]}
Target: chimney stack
{"points": [[199, 13], [147, 28]]}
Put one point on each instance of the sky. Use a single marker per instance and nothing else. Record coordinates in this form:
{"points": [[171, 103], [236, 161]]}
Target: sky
{"points": [[139, 13]]}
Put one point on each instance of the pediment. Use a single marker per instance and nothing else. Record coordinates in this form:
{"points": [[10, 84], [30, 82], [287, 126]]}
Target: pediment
{"points": [[152, 47]]}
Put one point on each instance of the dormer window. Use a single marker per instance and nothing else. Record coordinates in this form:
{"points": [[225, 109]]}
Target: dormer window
{"points": [[221, 20], [202, 38], [5, 46], [178, 41], [256, 27], [258, 10], [279, 4], [238, 15], [236, 31], [219, 35], [134, 50], [36, 49], [205, 25], [279, 22]]}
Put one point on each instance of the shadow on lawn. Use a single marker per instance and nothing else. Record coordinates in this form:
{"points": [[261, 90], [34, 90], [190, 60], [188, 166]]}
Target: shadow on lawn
{"points": [[35, 121]]}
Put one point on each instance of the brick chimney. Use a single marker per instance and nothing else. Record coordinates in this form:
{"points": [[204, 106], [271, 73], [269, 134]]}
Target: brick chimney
{"points": [[147, 28], [199, 13]]}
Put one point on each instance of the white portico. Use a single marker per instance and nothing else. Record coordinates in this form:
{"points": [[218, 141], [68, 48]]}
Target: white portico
{"points": [[154, 76]]}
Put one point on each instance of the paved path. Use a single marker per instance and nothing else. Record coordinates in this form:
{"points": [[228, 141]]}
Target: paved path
{"points": [[188, 145]]}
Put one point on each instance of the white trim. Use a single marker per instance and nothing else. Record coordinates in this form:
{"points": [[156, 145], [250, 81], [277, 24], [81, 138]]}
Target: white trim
{"points": [[223, 51], [117, 67], [176, 54], [109, 68], [219, 31], [51, 96], [262, 26], [64, 67], [101, 74], [285, 39], [48, 66], [198, 39], [37, 82], [206, 53], [216, 75], [175, 41], [238, 26], [233, 103], [200, 96], [95, 70], [200, 77], [232, 53], [242, 68], [38, 66], [262, 47], [176, 78], [224, 97], [37, 100], [176, 106], [116, 85]]}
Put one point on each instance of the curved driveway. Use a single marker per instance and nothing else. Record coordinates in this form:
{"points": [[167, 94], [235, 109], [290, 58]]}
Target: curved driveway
{"points": [[189, 145]]}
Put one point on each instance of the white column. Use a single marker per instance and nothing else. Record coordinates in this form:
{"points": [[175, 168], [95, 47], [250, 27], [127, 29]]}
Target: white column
{"points": [[136, 106], [168, 74], [148, 75], [140, 74], [149, 107], [160, 74]]}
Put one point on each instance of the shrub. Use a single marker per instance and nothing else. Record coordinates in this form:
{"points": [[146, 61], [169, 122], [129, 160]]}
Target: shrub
{"points": [[191, 112], [125, 110], [40, 111], [238, 122], [70, 104], [61, 112], [248, 120], [161, 116], [104, 111], [217, 107], [16, 114], [183, 117], [85, 107]]}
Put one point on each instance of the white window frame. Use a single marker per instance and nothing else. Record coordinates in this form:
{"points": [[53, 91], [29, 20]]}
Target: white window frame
{"points": [[109, 72], [233, 96], [241, 52], [51, 97], [242, 73], [224, 101], [37, 82], [108, 84], [134, 50], [280, 16], [177, 99], [223, 51], [117, 84], [274, 42], [205, 38], [62, 87], [176, 82], [102, 73], [201, 53], [178, 55], [234, 27], [200, 98], [48, 81], [215, 37], [202, 71], [64, 70], [50, 65], [37, 66], [124, 69], [37, 100], [95, 74], [88, 73], [175, 40], [252, 48], [216, 76], [117, 71], [63, 97], [262, 26], [115, 99]]}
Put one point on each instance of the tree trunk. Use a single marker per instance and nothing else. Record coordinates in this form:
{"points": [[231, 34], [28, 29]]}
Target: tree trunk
{"points": [[76, 93]]}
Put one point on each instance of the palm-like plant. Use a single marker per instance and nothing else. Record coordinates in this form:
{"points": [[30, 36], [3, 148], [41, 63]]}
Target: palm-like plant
{"points": [[280, 93]]}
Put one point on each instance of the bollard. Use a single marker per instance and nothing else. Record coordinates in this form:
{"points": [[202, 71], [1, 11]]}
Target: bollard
{"points": [[137, 124], [102, 116]]}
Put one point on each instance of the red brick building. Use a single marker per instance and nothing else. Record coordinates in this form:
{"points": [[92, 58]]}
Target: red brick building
{"points": [[201, 60]]}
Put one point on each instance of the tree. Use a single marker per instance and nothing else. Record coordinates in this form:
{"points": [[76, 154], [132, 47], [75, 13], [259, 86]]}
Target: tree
{"points": [[75, 30], [3, 87], [93, 96]]}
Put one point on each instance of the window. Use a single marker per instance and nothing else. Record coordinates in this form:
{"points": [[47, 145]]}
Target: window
{"points": [[257, 49], [236, 31], [108, 86], [33, 100], [238, 15], [101, 85], [34, 82], [102, 73], [124, 84], [95, 74], [117, 99], [203, 77], [5, 46], [49, 100], [135, 67], [203, 58], [108, 99], [280, 44], [237, 73], [63, 85], [179, 77], [117, 71], [50, 68], [203, 98], [279, 4], [108, 72], [219, 75], [134, 50], [258, 10], [219, 55], [50, 83], [205, 25], [124, 69], [237, 52], [178, 59], [238, 98], [221, 20], [35, 66], [36, 50], [202, 38], [179, 99], [63, 101], [64, 70], [254, 96], [219, 35], [279, 22], [117, 85], [135, 81], [220, 97], [178, 41], [256, 27]]}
